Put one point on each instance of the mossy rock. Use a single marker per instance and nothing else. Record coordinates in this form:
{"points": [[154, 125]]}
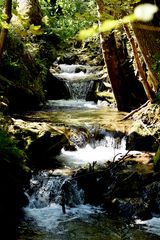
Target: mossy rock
{"points": [[156, 160]]}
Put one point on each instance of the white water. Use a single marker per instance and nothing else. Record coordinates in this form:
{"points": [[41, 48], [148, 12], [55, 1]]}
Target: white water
{"points": [[85, 69], [69, 68], [44, 202], [46, 212], [107, 149], [68, 72], [151, 225], [51, 217], [72, 103], [45, 208]]}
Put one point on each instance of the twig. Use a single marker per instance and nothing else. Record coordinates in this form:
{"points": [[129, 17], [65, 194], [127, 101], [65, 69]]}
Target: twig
{"points": [[150, 133], [134, 111]]}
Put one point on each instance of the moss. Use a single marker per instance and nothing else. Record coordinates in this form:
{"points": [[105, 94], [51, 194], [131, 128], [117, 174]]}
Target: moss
{"points": [[156, 158], [25, 65], [106, 95]]}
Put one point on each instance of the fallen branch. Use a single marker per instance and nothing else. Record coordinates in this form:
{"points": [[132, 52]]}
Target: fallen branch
{"points": [[150, 133], [134, 111]]}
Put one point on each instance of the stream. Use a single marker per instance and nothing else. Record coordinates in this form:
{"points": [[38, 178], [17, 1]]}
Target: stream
{"points": [[44, 218]]}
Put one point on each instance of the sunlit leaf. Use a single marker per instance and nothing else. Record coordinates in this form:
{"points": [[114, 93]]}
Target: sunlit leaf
{"points": [[4, 16], [90, 32], [130, 18], [34, 28], [45, 20], [145, 12], [108, 25], [5, 25]]}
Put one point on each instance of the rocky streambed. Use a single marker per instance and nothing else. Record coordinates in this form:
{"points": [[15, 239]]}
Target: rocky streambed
{"points": [[126, 185]]}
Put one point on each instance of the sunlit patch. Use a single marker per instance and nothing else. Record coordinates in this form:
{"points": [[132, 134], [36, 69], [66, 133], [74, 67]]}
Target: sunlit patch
{"points": [[145, 12], [108, 149]]}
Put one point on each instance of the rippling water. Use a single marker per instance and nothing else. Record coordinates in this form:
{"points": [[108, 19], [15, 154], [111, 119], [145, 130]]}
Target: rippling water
{"points": [[82, 221]]}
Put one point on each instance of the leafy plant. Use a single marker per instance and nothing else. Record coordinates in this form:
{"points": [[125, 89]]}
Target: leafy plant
{"points": [[156, 64], [156, 158], [143, 12], [66, 18], [10, 154]]}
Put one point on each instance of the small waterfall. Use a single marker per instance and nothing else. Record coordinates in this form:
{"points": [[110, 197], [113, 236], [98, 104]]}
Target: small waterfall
{"points": [[46, 189], [151, 225], [79, 90], [45, 211], [103, 146], [78, 78]]}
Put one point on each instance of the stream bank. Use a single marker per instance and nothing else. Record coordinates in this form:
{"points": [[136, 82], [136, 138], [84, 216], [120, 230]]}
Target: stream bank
{"points": [[89, 143], [122, 182]]}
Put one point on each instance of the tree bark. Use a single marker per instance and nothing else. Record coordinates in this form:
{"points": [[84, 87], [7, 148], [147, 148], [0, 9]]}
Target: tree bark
{"points": [[148, 40], [35, 13], [115, 62], [32, 9], [142, 74], [4, 31]]}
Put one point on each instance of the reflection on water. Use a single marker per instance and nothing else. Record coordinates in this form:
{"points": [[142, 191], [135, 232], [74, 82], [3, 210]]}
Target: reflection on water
{"points": [[80, 113]]}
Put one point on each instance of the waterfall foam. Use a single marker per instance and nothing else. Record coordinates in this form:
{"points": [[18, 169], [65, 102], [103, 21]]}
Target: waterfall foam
{"points": [[78, 78], [45, 201], [107, 149]]}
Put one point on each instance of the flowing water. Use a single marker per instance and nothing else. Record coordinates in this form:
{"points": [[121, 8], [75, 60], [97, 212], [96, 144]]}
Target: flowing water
{"points": [[45, 218]]}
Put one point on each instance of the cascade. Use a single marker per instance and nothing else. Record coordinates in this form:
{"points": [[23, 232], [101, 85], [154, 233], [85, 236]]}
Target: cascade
{"points": [[78, 78], [48, 188], [108, 147]]}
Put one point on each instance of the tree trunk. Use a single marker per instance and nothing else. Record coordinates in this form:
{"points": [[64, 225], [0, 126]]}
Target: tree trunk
{"points": [[148, 40], [35, 13], [4, 31], [32, 9], [121, 83], [142, 74]]}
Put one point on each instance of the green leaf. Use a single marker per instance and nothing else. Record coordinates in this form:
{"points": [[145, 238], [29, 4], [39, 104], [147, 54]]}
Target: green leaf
{"points": [[34, 28], [90, 32], [45, 20], [5, 25], [4, 16]]}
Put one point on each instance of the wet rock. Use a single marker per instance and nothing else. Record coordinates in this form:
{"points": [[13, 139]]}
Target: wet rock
{"points": [[139, 142], [129, 208], [56, 88], [42, 151], [124, 188], [151, 196]]}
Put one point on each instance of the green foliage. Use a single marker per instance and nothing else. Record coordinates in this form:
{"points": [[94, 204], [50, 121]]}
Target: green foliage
{"points": [[143, 12], [118, 8], [156, 64], [67, 17], [10, 155], [156, 158]]}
